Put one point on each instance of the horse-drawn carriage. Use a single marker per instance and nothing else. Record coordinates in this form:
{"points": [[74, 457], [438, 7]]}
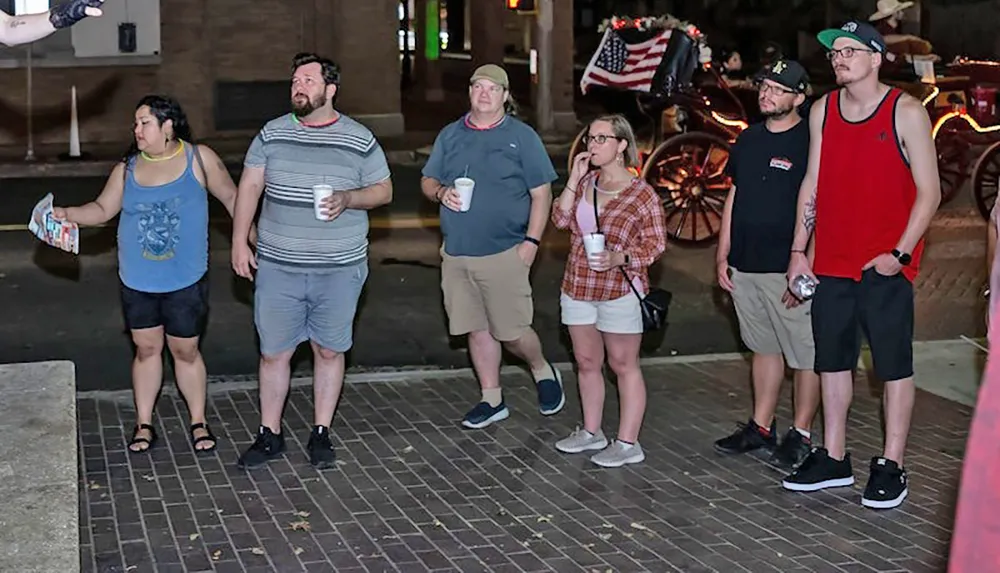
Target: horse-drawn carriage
{"points": [[687, 117], [962, 103], [665, 66]]}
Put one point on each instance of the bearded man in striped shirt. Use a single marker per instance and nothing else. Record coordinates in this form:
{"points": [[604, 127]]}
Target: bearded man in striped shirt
{"points": [[311, 262]]}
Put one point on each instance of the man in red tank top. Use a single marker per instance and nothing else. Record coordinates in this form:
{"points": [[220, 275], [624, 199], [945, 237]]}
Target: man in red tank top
{"points": [[869, 194]]}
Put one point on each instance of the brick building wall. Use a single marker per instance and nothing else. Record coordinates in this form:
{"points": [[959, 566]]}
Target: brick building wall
{"points": [[206, 41]]}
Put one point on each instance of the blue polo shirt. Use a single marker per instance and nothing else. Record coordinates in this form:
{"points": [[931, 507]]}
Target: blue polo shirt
{"points": [[506, 161]]}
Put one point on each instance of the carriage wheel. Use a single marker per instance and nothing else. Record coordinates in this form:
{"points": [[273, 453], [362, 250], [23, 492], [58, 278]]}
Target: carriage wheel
{"points": [[986, 179], [953, 162], [688, 172]]}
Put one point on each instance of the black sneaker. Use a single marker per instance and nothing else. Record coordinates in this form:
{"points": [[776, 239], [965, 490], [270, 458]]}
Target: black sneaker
{"points": [[793, 449], [265, 448], [820, 471], [886, 485], [747, 438], [321, 454]]}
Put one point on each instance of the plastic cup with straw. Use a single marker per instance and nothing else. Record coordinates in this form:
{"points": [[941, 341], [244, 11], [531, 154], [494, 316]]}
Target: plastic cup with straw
{"points": [[464, 185]]}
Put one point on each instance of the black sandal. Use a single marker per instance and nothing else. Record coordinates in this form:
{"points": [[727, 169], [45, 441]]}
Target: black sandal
{"points": [[138, 440], [209, 437]]}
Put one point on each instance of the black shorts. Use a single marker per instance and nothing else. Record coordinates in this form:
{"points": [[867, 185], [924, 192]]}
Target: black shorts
{"points": [[881, 307], [182, 313]]}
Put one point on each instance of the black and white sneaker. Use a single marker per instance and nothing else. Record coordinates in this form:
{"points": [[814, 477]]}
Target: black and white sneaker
{"points": [[820, 471], [747, 438], [792, 451], [886, 487]]}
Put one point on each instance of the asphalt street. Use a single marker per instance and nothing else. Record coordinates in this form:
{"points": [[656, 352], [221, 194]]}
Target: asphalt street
{"points": [[56, 305], [59, 306]]}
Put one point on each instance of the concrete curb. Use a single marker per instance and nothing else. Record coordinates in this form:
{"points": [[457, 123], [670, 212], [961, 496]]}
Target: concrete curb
{"points": [[223, 384]]}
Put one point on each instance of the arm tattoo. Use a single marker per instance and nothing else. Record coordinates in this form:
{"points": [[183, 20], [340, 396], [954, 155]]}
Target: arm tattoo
{"points": [[809, 218], [14, 23]]}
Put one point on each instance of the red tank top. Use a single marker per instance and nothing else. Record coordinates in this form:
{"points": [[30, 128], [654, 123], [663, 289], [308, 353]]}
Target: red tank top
{"points": [[865, 191]]}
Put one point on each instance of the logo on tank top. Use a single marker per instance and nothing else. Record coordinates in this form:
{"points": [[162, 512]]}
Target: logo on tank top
{"points": [[782, 163], [158, 228], [882, 136]]}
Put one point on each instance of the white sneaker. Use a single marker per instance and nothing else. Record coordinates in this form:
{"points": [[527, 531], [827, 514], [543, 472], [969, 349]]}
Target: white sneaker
{"points": [[581, 440], [618, 454]]}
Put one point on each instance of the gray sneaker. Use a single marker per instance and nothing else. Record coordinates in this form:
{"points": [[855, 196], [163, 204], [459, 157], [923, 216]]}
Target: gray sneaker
{"points": [[581, 440], [618, 454]]}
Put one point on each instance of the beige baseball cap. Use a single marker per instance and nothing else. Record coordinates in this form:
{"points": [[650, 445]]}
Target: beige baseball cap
{"points": [[491, 72]]}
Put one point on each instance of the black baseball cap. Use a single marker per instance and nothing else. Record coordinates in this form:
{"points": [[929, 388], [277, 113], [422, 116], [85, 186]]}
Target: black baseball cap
{"points": [[788, 73], [859, 31]]}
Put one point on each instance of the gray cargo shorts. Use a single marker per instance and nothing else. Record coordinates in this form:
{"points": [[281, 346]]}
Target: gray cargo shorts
{"points": [[293, 307]]}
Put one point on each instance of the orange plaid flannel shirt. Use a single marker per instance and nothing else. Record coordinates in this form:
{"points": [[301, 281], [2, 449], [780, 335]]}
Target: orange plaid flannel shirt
{"points": [[633, 222]]}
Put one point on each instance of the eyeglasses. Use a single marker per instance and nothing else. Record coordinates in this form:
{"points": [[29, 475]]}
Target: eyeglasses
{"points": [[764, 88], [846, 53], [598, 139]]}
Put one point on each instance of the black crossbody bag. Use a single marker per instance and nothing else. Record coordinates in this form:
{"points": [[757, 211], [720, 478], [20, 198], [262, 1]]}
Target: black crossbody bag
{"points": [[655, 304]]}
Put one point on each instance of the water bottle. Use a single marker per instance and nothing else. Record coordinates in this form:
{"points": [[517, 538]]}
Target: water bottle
{"points": [[804, 287]]}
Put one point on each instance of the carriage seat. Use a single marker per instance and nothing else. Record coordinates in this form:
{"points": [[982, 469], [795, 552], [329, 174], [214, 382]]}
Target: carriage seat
{"points": [[680, 60]]}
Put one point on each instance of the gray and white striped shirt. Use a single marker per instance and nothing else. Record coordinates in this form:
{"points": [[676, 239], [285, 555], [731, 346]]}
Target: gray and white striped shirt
{"points": [[343, 154]]}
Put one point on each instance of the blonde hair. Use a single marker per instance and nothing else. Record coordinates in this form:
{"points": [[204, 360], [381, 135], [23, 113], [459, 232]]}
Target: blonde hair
{"points": [[622, 129]]}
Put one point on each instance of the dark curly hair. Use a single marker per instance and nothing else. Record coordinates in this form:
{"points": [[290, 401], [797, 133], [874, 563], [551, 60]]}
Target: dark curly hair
{"points": [[331, 71], [163, 108]]}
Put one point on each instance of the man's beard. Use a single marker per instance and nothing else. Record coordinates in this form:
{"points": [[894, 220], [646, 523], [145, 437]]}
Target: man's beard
{"points": [[778, 113], [310, 105]]}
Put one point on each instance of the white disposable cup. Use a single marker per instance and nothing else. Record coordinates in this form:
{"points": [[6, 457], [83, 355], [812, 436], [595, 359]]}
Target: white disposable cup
{"points": [[593, 243], [320, 192], [464, 186]]}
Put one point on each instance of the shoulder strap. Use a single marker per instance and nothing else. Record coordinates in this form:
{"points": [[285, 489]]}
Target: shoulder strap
{"points": [[832, 105], [597, 221], [127, 164], [201, 162], [597, 218]]}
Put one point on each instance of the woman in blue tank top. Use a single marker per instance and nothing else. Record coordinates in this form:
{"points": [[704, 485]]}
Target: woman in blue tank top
{"points": [[159, 189]]}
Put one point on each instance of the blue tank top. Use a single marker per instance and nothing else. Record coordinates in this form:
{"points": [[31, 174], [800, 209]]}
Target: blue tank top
{"points": [[163, 232]]}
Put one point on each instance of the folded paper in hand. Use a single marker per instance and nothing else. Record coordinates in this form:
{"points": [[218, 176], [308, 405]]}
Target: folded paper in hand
{"points": [[56, 232]]}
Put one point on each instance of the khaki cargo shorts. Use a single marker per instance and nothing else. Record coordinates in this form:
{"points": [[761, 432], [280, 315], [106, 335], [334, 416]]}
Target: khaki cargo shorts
{"points": [[766, 326], [487, 293]]}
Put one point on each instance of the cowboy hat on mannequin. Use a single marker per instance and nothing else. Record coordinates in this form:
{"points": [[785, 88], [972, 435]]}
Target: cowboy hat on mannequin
{"points": [[887, 8]]}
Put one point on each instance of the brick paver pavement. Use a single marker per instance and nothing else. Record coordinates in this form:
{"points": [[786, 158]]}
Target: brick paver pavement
{"points": [[415, 492]]}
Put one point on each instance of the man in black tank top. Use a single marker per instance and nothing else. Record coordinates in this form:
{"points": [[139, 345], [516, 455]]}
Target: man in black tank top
{"points": [[16, 30]]}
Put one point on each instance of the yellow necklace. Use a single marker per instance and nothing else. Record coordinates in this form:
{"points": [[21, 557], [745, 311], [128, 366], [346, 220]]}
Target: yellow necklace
{"points": [[180, 148]]}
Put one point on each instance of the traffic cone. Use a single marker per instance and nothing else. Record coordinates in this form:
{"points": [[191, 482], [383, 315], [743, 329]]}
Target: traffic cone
{"points": [[74, 131], [74, 127]]}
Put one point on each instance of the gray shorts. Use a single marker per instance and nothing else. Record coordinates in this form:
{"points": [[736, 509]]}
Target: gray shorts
{"points": [[293, 307]]}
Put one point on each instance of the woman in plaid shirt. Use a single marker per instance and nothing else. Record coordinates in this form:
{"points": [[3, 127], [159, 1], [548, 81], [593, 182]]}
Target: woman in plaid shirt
{"points": [[598, 305]]}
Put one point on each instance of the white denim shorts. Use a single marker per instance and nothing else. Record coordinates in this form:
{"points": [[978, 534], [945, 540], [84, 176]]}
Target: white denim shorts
{"points": [[619, 316]]}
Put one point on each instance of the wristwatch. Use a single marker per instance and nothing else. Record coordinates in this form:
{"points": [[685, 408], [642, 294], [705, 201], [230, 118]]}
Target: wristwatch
{"points": [[903, 258]]}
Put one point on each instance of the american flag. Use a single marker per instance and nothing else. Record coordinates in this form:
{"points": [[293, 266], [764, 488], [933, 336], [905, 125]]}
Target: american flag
{"points": [[618, 64]]}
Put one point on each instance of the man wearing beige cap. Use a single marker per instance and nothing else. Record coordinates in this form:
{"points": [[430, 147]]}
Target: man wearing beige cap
{"points": [[491, 175]]}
